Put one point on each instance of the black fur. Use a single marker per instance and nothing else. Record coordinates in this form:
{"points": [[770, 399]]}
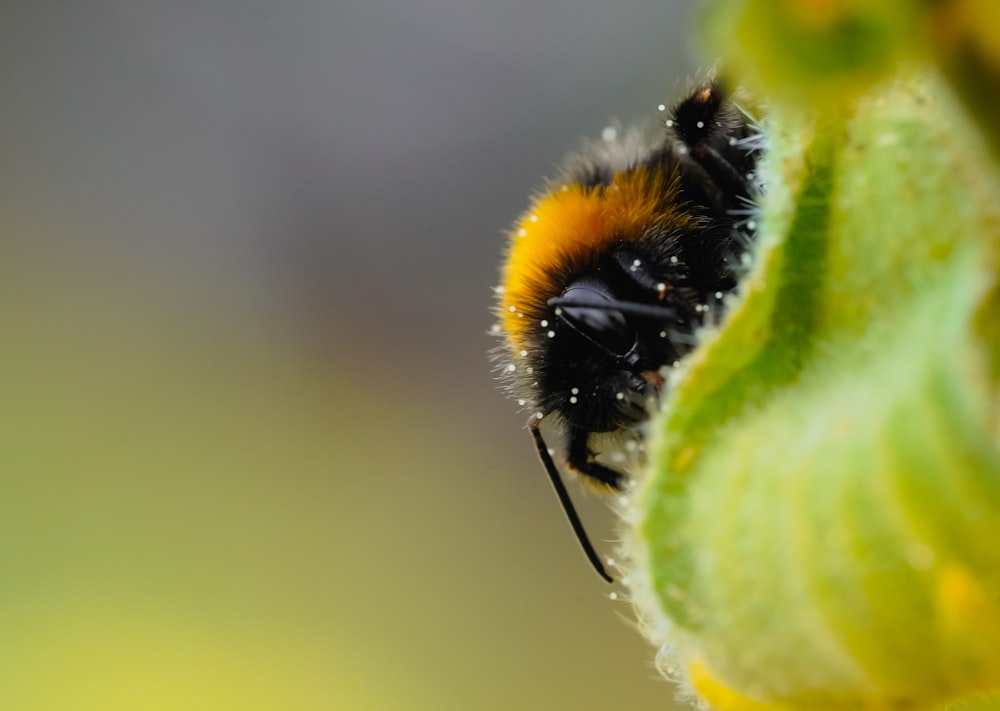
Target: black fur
{"points": [[694, 264], [634, 307]]}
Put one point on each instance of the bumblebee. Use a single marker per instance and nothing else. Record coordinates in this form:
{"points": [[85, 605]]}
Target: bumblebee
{"points": [[613, 269]]}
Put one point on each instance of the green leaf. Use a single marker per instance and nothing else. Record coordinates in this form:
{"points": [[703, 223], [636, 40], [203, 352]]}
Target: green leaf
{"points": [[820, 525]]}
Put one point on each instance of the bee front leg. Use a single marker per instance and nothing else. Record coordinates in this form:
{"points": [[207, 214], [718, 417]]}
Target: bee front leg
{"points": [[581, 460]]}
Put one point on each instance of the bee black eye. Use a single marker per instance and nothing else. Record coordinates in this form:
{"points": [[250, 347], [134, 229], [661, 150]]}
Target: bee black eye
{"points": [[589, 309]]}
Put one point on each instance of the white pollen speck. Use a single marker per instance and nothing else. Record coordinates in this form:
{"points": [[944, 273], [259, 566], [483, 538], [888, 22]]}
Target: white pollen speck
{"points": [[521, 402], [732, 141], [534, 218], [751, 224], [499, 289], [512, 309], [620, 396], [611, 562], [511, 368], [572, 400], [613, 596], [558, 311], [551, 451], [520, 315], [661, 286], [543, 323], [745, 260], [551, 334], [662, 107], [718, 295], [682, 150], [631, 445], [609, 134], [675, 363], [575, 391], [673, 260], [700, 124], [636, 262], [522, 232], [523, 353], [663, 334], [670, 123], [538, 416]]}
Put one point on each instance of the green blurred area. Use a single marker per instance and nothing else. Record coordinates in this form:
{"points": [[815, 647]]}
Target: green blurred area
{"points": [[251, 452], [200, 514]]}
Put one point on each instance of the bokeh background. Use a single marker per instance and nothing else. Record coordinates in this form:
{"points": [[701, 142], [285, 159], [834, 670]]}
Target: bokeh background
{"points": [[252, 454]]}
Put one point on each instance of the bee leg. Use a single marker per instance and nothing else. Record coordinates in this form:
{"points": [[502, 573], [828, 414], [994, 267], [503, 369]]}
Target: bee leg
{"points": [[580, 459], [698, 121]]}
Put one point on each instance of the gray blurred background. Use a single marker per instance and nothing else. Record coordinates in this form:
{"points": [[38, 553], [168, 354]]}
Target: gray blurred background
{"points": [[255, 457]]}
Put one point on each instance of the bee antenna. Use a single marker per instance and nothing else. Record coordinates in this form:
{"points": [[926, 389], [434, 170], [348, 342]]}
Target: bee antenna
{"points": [[629, 308], [567, 503]]}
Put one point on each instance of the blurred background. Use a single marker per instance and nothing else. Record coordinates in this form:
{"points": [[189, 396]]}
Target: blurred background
{"points": [[252, 453]]}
